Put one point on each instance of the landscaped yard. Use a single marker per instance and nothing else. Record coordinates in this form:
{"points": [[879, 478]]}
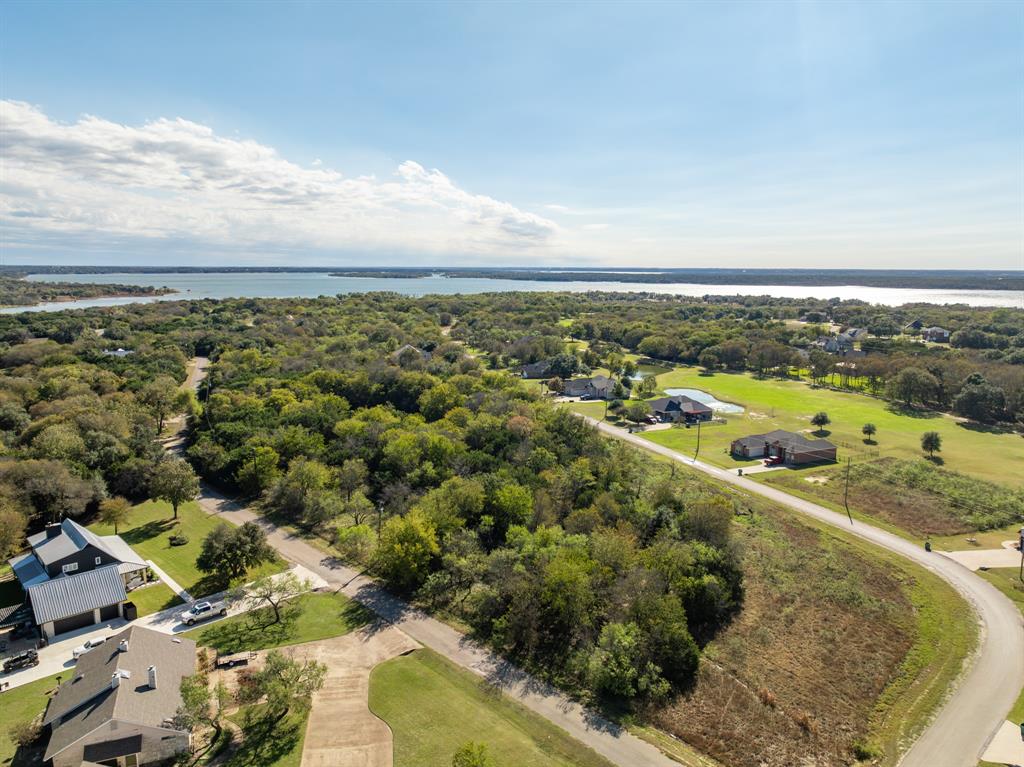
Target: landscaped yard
{"points": [[780, 404], [154, 598], [148, 531], [313, 616], [22, 704], [434, 707]]}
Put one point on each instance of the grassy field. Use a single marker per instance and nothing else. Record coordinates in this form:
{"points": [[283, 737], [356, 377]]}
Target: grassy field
{"points": [[914, 496], [148, 531], [433, 707], [264, 745], [154, 598], [22, 704], [778, 404], [313, 616], [903, 635]]}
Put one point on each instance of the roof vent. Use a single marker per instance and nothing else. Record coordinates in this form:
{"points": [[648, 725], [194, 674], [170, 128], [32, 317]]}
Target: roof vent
{"points": [[122, 646], [115, 681], [152, 677]]}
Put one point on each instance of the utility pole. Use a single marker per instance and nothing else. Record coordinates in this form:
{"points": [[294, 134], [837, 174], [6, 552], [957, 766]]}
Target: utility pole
{"points": [[1020, 545], [380, 511], [698, 442], [846, 492]]}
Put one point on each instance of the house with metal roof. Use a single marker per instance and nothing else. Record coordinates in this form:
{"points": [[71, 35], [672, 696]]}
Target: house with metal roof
{"points": [[75, 578], [786, 446], [118, 708], [936, 335]]}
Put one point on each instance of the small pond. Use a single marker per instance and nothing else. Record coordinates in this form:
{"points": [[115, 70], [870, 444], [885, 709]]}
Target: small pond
{"points": [[707, 399]]}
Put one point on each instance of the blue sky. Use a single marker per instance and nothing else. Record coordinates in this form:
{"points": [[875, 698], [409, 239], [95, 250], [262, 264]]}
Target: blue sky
{"points": [[761, 134]]}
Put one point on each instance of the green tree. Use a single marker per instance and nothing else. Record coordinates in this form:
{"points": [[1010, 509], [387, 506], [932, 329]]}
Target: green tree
{"points": [[272, 591], [12, 528], [229, 552], [288, 685], [646, 386], [931, 441], [472, 754], [408, 546], [174, 481], [636, 411], [708, 360], [437, 401], [980, 400], [258, 471], [159, 396], [913, 385], [868, 430], [821, 420], [114, 511]]}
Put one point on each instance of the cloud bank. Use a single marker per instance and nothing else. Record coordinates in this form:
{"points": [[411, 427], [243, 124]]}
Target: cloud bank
{"points": [[105, 185]]}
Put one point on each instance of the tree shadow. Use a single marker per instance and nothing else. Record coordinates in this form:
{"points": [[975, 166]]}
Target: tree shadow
{"points": [[938, 460], [822, 433], [899, 408], [266, 741], [148, 531], [987, 428], [255, 631], [869, 441]]}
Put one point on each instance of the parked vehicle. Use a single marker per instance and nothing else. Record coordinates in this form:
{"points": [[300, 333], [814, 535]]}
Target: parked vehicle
{"points": [[202, 611], [21, 660], [82, 649]]}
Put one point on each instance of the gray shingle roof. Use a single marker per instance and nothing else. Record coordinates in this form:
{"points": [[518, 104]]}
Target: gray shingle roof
{"points": [[87, 701], [69, 595], [788, 439]]}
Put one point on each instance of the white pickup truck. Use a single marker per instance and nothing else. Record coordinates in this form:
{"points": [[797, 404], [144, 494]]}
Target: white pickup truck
{"points": [[202, 611]]}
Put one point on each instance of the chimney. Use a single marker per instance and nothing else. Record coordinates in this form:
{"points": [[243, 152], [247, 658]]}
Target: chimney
{"points": [[152, 677], [122, 646], [115, 680], [53, 530]]}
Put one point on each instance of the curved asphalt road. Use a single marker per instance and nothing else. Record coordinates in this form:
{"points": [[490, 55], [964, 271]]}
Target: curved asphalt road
{"points": [[976, 709]]}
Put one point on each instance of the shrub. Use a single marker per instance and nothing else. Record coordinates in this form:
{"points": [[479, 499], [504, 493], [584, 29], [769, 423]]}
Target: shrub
{"points": [[178, 539], [24, 734]]}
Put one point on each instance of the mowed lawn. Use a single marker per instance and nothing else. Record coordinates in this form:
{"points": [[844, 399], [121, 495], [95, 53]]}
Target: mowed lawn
{"points": [[779, 404], [434, 707], [148, 531], [309, 617], [268, 744], [23, 704]]}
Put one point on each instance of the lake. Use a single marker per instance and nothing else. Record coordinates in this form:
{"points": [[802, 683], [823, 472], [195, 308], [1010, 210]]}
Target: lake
{"points": [[310, 285]]}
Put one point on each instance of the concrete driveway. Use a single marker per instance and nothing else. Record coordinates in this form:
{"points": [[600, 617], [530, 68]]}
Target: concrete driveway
{"points": [[975, 559], [341, 731]]}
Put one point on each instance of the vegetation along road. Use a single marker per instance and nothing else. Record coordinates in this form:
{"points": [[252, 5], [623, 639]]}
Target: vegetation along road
{"points": [[977, 708]]}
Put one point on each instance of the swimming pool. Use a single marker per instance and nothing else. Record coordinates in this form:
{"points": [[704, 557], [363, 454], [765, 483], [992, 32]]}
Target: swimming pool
{"points": [[702, 396]]}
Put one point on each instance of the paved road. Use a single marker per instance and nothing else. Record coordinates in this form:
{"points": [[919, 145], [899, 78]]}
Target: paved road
{"points": [[977, 709], [604, 737]]}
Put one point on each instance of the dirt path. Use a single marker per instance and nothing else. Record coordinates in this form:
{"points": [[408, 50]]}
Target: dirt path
{"points": [[341, 731]]}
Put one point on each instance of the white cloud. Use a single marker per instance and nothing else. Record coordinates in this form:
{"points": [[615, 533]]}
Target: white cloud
{"points": [[172, 179]]}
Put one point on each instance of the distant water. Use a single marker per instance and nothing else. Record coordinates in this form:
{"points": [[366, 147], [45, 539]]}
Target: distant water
{"points": [[311, 285], [708, 399]]}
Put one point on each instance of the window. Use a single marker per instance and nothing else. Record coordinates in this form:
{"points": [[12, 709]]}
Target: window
{"points": [[99, 560], [132, 760], [70, 567]]}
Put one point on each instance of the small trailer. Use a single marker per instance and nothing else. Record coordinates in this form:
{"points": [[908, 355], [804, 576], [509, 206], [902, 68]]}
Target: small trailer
{"points": [[235, 659]]}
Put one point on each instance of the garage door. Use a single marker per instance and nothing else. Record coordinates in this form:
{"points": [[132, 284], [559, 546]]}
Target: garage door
{"points": [[109, 613], [72, 623]]}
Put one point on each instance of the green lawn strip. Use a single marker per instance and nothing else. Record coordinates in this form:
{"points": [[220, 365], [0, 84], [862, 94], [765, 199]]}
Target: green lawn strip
{"points": [[1007, 580], [673, 747], [946, 635], [988, 539], [154, 598], [23, 704], [317, 615], [267, 745], [148, 531], [788, 404], [433, 707]]}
